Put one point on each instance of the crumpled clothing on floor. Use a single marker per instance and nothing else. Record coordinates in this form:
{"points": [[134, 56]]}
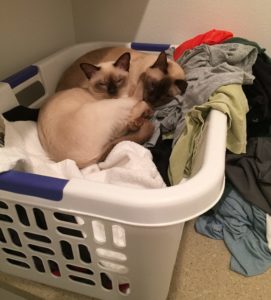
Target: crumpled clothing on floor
{"points": [[242, 226]]}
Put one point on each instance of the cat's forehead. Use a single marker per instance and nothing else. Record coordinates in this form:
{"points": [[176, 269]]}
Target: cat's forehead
{"points": [[155, 74], [106, 65], [175, 70], [107, 70]]}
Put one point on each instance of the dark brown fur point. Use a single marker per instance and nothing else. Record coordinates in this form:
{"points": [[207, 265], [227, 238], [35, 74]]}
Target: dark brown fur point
{"points": [[161, 63], [110, 84], [160, 88], [89, 69], [158, 93], [123, 62]]}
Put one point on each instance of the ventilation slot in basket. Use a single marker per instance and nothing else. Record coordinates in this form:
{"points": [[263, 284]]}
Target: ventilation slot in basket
{"points": [[71, 232], [3, 205], [82, 280], [41, 249], [40, 219], [54, 268], [106, 281], [119, 238], [99, 232], [84, 253], [65, 218], [14, 252], [124, 286], [37, 237], [112, 255], [5, 218], [80, 269], [113, 267], [22, 215], [2, 237], [118, 234], [38, 264], [15, 237], [66, 249], [18, 263]]}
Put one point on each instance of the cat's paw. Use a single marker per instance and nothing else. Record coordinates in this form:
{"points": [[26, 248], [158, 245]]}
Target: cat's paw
{"points": [[145, 131], [135, 124], [148, 112]]}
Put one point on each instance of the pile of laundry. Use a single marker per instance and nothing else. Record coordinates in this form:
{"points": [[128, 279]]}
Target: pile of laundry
{"points": [[242, 216]]}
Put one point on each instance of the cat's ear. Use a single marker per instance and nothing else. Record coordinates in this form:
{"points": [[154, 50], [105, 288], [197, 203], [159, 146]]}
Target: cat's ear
{"points": [[123, 62], [181, 84], [89, 69], [161, 63]]}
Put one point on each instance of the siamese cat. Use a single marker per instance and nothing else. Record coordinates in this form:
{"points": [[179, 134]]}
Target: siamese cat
{"points": [[78, 124], [162, 81], [162, 78], [109, 80]]}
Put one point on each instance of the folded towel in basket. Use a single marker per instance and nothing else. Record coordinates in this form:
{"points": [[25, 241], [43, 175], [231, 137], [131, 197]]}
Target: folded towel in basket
{"points": [[128, 164]]}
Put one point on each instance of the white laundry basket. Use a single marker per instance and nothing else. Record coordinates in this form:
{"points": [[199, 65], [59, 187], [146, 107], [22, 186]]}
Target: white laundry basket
{"points": [[95, 239]]}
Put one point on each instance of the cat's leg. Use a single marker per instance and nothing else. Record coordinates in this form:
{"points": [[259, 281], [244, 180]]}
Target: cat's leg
{"points": [[139, 112], [140, 136]]}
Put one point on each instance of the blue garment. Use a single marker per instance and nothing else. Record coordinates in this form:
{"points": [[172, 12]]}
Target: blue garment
{"points": [[243, 228]]}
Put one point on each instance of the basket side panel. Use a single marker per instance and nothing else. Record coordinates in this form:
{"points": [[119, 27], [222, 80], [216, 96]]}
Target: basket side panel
{"points": [[86, 254]]}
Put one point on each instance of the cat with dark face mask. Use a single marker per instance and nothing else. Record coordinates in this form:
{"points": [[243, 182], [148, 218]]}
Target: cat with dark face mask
{"points": [[163, 78], [162, 81]]}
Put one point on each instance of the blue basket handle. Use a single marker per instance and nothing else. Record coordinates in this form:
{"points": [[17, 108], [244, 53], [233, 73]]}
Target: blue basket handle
{"points": [[21, 76], [149, 46], [33, 185]]}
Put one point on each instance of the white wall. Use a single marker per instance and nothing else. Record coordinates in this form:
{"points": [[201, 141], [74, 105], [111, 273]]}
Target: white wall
{"points": [[31, 30], [172, 21]]}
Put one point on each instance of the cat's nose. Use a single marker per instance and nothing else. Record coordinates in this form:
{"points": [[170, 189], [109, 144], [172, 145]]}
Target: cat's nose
{"points": [[112, 89]]}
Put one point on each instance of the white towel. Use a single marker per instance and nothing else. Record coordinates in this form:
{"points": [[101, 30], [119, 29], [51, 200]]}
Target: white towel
{"points": [[128, 164]]}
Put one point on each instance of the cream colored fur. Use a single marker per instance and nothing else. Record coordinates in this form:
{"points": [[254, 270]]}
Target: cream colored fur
{"points": [[74, 125]]}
